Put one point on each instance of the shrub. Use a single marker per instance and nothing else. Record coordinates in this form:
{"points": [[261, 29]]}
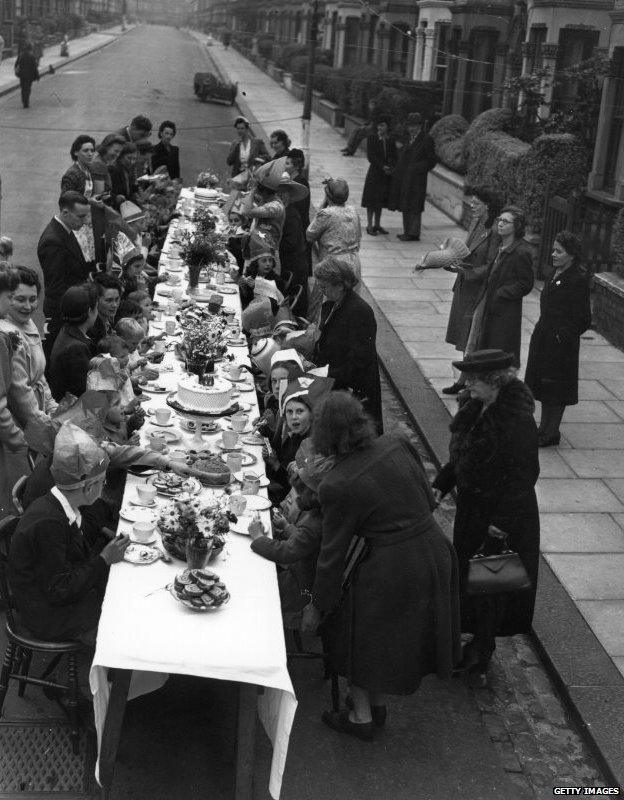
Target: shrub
{"points": [[555, 164], [617, 243], [288, 53], [448, 138], [495, 120], [265, 46], [494, 159]]}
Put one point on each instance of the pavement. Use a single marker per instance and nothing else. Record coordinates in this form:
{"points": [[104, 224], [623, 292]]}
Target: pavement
{"points": [[579, 622], [51, 58]]}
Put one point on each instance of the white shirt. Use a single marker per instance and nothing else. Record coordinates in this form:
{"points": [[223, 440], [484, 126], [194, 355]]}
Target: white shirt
{"points": [[72, 515]]}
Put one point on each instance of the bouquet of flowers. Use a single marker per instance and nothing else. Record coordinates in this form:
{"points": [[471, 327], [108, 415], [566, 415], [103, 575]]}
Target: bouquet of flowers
{"points": [[205, 334], [200, 524], [208, 180], [205, 221]]}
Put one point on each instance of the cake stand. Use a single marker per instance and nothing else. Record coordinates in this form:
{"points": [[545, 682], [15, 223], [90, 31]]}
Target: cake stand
{"points": [[197, 417]]}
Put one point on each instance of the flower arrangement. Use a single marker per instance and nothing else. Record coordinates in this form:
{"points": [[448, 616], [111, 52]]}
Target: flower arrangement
{"points": [[204, 248], [199, 524], [208, 180], [205, 221], [205, 334]]}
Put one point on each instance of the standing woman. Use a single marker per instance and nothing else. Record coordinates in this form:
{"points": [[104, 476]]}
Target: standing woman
{"points": [[246, 148], [565, 314], [494, 465], [78, 177], [166, 154], [381, 150], [30, 394], [497, 319], [27, 70], [347, 336], [106, 155], [391, 617], [336, 229], [483, 242]]}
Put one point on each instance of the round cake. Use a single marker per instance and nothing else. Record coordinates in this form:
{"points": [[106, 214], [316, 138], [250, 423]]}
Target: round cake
{"points": [[208, 399]]}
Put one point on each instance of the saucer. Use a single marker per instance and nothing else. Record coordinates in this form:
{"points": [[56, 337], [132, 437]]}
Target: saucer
{"points": [[142, 505], [225, 449], [151, 540], [162, 424]]}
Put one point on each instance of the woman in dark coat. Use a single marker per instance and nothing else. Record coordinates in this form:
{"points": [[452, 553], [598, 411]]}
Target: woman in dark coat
{"points": [[381, 151], [391, 616], [494, 465], [166, 154], [565, 314], [347, 333], [409, 185], [27, 70], [73, 349], [497, 319]]}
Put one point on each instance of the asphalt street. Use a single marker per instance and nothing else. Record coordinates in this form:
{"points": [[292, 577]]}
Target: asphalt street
{"points": [[512, 740]]}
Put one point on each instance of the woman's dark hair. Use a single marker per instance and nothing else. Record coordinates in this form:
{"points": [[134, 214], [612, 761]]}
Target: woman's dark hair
{"points": [[167, 124], [104, 281], [297, 157], [341, 425], [293, 370], [129, 147], [493, 200], [128, 308], [518, 218], [78, 142], [28, 277], [9, 279], [76, 304], [108, 141], [572, 245], [281, 136]]}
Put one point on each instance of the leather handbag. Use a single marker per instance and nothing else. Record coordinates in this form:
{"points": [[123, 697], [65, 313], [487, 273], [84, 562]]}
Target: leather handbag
{"points": [[496, 574]]}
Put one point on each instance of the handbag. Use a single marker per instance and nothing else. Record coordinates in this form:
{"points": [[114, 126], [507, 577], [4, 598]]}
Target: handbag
{"points": [[17, 69], [497, 574]]}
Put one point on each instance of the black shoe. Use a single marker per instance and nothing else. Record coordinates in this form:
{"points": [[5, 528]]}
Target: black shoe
{"points": [[339, 721], [378, 713], [371, 231], [405, 237], [548, 441], [381, 230], [454, 389]]}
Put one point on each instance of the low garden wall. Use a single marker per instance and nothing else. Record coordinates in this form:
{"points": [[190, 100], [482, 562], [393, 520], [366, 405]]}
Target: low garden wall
{"points": [[608, 306]]}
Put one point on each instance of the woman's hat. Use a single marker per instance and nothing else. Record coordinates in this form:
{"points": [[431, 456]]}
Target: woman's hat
{"points": [[296, 191], [130, 212], [258, 246], [337, 190], [74, 305], [414, 118], [270, 174], [482, 361], [452, 251], [77, 458]]}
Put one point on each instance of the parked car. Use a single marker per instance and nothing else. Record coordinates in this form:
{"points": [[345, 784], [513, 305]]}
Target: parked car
{"points": [[208, 87]]}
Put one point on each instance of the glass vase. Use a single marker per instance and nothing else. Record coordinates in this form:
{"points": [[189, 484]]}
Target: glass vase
{"points": [[194, 271], [198, 553]]}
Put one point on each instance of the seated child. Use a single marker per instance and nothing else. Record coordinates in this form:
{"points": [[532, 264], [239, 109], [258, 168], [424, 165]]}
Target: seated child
{"points": [[108, 370], [286, 365], [133, 334], [260, 278]]}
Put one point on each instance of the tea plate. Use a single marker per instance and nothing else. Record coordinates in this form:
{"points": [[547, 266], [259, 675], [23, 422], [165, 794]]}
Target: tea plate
{"points": [[137, 514], [241, 526], [151, 540], [141, 504], [234, 449], [248, 458], [154, 389], [253, 440], [161, 424], [141, 554], [169, 436], [255, 502], [264, 481]]}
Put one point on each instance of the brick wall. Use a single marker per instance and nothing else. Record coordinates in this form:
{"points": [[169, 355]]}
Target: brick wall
{"points": [[608, 307]]}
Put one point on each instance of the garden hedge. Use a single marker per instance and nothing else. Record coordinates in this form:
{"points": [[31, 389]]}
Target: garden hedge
{"points": [[448, 137]]}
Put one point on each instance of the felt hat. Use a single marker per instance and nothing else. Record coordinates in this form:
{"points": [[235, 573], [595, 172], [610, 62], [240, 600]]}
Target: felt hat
{"points": [[258, 318], [75, 304], [414, 118], [286, 355], [258, 246], [130, 212], [482, 361], [77, 458], [296, 191], [270, 174], [337, 190], [307, 389], [452, 251]]}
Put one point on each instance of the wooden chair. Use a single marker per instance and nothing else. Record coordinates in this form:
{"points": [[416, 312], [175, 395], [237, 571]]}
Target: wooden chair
{"points": [[294, 296], [21, 646], [17, 493], [287, 277], [299, 652]]}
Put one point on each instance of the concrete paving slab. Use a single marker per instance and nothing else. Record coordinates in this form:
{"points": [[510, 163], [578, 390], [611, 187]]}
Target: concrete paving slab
{"points": [[604, 353], [594, 390], [420, 333], [431, 350], [581, 533], [590, 411], [596, 463], [607, 374], [619, 663], [606, 619], [588, 435], [590, 576], [617, 406], [552, 465], [565, 495], [433, 367]]}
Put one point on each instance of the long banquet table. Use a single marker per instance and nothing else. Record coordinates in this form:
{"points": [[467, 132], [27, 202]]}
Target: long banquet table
{"points": [[145, 634]]}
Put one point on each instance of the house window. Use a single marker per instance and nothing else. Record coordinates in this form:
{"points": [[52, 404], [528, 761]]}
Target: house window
{"points": [[617, 121], [537, 38], [443, 31], [478, 96], [372, 25], [351, 41], [399, 44], [575, 47], [7, 14]]}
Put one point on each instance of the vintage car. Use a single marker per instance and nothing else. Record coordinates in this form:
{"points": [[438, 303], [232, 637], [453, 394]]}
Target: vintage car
{"points": [[208, 87]]}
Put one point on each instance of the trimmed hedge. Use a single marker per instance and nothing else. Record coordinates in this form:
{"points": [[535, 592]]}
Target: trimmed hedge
{"points": [[448, 137], [495, 120], [494, 159]]}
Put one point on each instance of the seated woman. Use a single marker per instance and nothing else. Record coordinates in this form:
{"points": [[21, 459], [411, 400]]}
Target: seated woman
{"points": [[73, 349], [30, 394], [78, 177], [295, 544], [59, 558], [122, 174]]}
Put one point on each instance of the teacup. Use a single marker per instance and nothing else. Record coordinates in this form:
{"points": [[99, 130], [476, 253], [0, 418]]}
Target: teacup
{"points": [[163, 415], [230, 439], [146, 494], [239, 422], [143, 532], [157, 442], [235, 461], [170, 309], [234, 371]]}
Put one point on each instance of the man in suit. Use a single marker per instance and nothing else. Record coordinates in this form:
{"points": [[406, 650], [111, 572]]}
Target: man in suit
{"points": [[140, 127], [61, 258], [409, 187]]}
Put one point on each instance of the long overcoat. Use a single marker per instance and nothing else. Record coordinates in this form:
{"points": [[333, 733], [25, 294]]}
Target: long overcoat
{"points": [[553, 362], [510, 278], [483, 244], [378, 184], [409, 184], [494, 464], [396, 618]]}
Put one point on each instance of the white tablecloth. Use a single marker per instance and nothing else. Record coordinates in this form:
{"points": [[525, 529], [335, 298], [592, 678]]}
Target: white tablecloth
{"points": [[144, 629]]}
